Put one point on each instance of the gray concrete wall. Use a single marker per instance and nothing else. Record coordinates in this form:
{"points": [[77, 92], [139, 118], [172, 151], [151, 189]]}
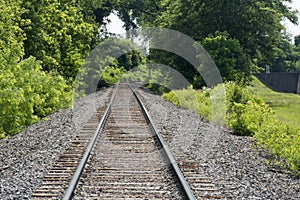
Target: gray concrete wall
{"points": [[281, 82]]}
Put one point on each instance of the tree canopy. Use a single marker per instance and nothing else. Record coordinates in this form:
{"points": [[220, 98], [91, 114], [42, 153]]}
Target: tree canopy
{"points": [[57, 35], [255, 25], [26, 92], [44, 43]]}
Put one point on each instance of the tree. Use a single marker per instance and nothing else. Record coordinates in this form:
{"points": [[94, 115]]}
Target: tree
{"points": [[26, 92], [255, 24], [227, 53], [296, 54], [11, 35], [283, 58], [57, 35], [297, 40], [95, 11]]}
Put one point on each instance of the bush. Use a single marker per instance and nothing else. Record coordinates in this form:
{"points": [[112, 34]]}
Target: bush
{"points": [[247, 119], [191, 99], [111, 75], [28, 94], [252, 117], [239, 93], [282, 141], [171, 96], [157, 88], [248, 115]]}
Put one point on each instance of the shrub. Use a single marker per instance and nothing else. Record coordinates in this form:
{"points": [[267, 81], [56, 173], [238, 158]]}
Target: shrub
{"points": [[248, 115], [171, 96], [239, 93], [27, 94], [192, 100], [247, 119], [157, 88], [282, 141], [111, 75]]}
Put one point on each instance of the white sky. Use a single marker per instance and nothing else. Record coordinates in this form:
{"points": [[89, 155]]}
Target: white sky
{"points": [[116, 24], [294, 30]]}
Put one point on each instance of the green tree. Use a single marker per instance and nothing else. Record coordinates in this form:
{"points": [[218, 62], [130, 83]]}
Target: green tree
{"points": [[296, 54], [95, 12], [256, 25], [11, 35], [57, 35], [227, 53], [26, 92], [297, 40], [283, 59]]}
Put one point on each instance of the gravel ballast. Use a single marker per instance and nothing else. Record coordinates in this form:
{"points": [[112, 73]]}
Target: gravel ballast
{"points": [[26, 157], [235, 165]]}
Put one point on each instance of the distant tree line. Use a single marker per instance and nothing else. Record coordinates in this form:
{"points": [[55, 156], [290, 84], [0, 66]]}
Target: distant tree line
{"points": [[241, 36]]}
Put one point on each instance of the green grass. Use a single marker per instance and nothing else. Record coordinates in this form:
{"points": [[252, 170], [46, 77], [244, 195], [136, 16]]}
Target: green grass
{"points": [[285, 105], [276, 127]]}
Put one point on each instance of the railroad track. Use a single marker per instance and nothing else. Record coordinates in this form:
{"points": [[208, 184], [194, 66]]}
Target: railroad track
{"points": [[125, 158]]}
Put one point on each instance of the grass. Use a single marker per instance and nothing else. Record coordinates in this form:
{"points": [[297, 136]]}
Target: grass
{"points": [[285, 105], [275, 128]]}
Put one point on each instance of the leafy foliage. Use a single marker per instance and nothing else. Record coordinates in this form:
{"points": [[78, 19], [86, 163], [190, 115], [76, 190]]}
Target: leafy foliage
{"points": [[29, 93], [26, 92], [192, 100], [248, 115], [57, 35], [247, 119], [284, 56], [253, 31], [227, 53], [294, 59], [111, 75], [107, 63], [282, 141], [11, 35]]}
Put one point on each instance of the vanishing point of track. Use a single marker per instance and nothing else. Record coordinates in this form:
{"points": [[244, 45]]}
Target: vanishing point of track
{"points": [[123, 157]]}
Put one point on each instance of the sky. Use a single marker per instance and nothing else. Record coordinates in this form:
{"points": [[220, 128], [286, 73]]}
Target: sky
{"points": [[116, 24], [294, 30]]}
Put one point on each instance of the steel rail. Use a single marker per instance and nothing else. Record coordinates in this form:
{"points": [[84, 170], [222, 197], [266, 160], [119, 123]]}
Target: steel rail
{"points": [[186, 187], [73, 183]]}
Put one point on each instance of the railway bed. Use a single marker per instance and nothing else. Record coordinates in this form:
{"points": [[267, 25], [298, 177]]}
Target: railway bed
{"points": [[128, 160]]}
